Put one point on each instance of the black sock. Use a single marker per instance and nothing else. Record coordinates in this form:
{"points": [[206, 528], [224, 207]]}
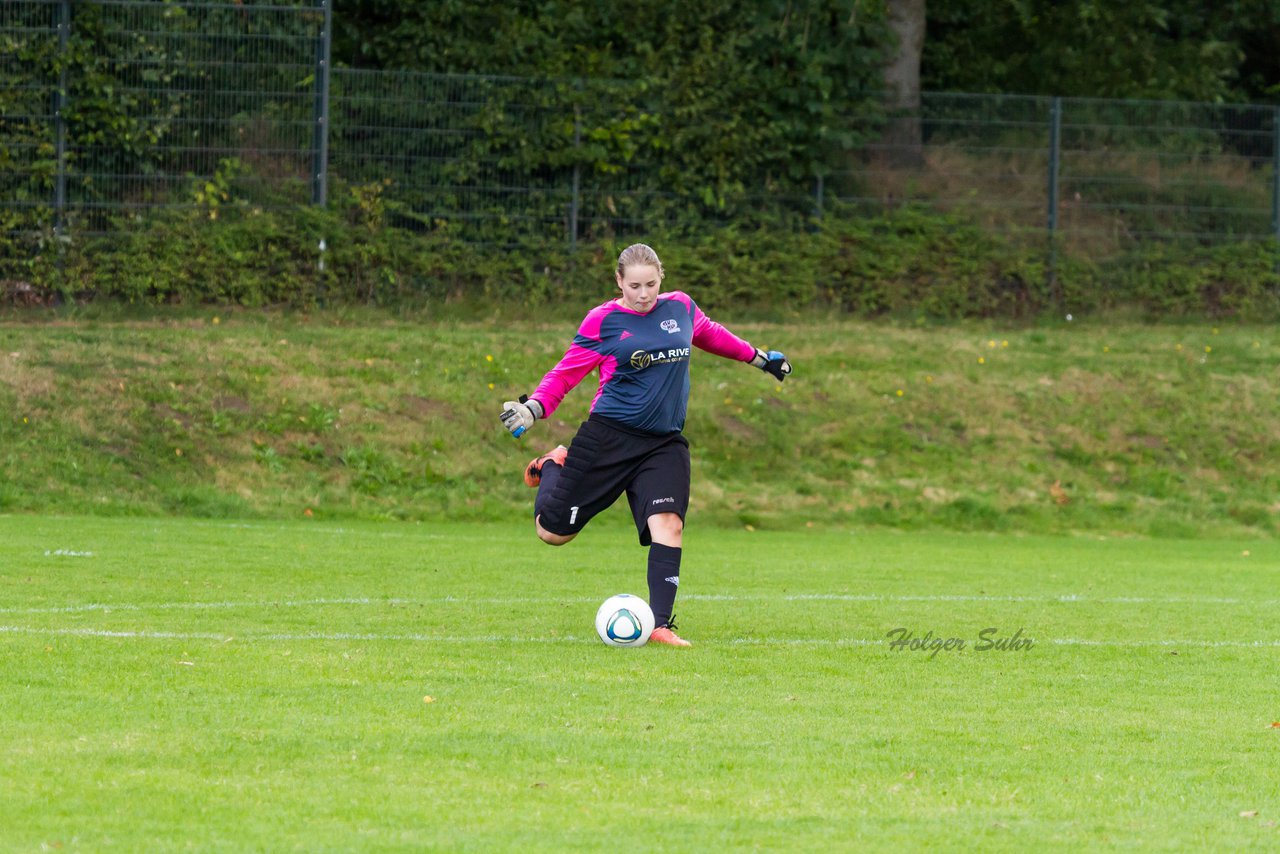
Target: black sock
{"points": [[550, 474], [664, 578]]}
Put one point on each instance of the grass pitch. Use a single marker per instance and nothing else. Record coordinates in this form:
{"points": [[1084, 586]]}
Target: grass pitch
{"points": [[221, 686]]}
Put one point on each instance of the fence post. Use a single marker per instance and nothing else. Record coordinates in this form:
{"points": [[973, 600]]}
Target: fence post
{"points": [[320, 128], [1275, 180], [574, 200], [1055, 158], [818, 192], [60, 121]]}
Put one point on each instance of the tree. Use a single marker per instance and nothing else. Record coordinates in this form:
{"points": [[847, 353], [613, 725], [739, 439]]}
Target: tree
{"points": [[1173, 49], [906, 20]]}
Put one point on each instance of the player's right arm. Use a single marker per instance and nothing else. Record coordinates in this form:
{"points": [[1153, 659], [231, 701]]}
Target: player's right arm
{"points": [[578, 361]]}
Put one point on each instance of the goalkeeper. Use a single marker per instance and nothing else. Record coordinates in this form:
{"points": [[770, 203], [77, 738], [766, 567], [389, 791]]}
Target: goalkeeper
{"points": [[640, 342]]}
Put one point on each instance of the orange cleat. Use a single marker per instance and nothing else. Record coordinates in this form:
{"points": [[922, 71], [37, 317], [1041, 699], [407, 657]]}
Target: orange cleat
{"points": [[533, 472], [665, 636]]}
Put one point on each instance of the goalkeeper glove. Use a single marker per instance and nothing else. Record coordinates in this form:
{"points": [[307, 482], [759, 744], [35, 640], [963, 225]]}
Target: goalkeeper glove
{"points": [[772, 362], [519, 415]]}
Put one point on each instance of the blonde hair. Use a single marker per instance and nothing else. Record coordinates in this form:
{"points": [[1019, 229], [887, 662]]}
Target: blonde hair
{"points": [[637, 255]]}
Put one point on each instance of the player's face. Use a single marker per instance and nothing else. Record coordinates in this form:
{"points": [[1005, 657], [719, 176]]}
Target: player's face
{"points": [[640, 285]]}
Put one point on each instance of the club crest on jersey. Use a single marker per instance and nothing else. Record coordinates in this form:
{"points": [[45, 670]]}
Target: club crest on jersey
{"points": [[641, 359], [670, 326]]}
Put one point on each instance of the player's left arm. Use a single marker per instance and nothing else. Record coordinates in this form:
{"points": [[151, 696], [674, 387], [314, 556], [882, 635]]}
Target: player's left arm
{"points": [[715, 338]]}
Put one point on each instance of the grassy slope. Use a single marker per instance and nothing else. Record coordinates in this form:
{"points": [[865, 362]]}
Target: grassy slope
{"points": [[275, 697], [1102, 427]]}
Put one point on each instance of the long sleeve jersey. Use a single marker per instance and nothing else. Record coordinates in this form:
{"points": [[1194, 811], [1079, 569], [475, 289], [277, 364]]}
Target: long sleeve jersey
{"points": [[643, 361]]}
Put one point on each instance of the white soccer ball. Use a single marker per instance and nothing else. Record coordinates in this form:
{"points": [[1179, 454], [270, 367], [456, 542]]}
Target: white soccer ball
{"points": [[624, 620]]}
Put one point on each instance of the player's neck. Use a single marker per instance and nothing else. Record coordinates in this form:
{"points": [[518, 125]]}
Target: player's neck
{"points": [[622, 304]]}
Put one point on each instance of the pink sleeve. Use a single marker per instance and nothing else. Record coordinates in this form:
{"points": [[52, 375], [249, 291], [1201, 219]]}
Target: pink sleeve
{"points": [[714, 338], [575, 364]]}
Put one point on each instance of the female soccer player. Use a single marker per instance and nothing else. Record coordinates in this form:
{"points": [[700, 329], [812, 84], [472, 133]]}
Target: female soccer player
{"points": [[640, 342]]}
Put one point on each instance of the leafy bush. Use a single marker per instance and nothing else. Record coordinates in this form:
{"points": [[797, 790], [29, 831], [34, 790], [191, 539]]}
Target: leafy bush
{"points": [[907, 262], [1234, 280]]}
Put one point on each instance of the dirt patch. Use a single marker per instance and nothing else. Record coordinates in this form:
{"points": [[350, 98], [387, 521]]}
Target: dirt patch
{"points": [[425, 407], [168, 413], [28, 383], [231, 403], [737, 429]]}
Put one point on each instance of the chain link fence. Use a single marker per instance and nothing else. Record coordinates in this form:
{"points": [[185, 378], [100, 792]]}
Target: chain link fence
{"points": [[1097, 172], [115, 108], [115, 111]]}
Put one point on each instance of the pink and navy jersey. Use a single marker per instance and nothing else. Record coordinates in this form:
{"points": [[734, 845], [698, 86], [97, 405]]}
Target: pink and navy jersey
{"points": [[643, 361]]}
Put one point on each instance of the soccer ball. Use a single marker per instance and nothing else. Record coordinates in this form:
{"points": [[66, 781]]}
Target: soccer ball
{"points": [[624, 620]]}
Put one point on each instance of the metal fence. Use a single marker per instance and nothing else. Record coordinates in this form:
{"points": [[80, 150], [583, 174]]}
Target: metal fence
{"points": [[1101, 171], [116, 110]]}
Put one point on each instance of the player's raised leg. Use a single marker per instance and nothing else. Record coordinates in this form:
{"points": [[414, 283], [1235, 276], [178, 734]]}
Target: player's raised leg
{"points": [[533, 471], [543, 472]]}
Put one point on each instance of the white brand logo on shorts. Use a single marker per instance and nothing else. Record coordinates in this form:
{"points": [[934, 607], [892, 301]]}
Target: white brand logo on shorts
{"points": [[671, 326], [573, 515], [663, 501]]}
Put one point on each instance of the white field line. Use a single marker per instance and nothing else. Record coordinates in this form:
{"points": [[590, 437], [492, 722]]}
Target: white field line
{"points": [[303, 527], [283, 636], [106, 607], [308, 528], [478, 639], [573, 639]]}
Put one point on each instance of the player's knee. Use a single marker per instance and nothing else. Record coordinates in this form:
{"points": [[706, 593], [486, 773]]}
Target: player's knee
{"points": [[550, 538], [665, 527]]}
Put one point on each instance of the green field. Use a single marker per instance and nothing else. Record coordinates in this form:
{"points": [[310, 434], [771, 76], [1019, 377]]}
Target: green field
{"points": [[221, 685]]}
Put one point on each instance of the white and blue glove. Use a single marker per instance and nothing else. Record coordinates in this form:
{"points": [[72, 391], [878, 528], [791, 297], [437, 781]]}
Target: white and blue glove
{"points": [[772, 362], [519, 415]]}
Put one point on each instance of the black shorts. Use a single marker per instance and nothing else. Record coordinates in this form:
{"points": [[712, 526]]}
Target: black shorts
{"points": [[607, 459]]}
